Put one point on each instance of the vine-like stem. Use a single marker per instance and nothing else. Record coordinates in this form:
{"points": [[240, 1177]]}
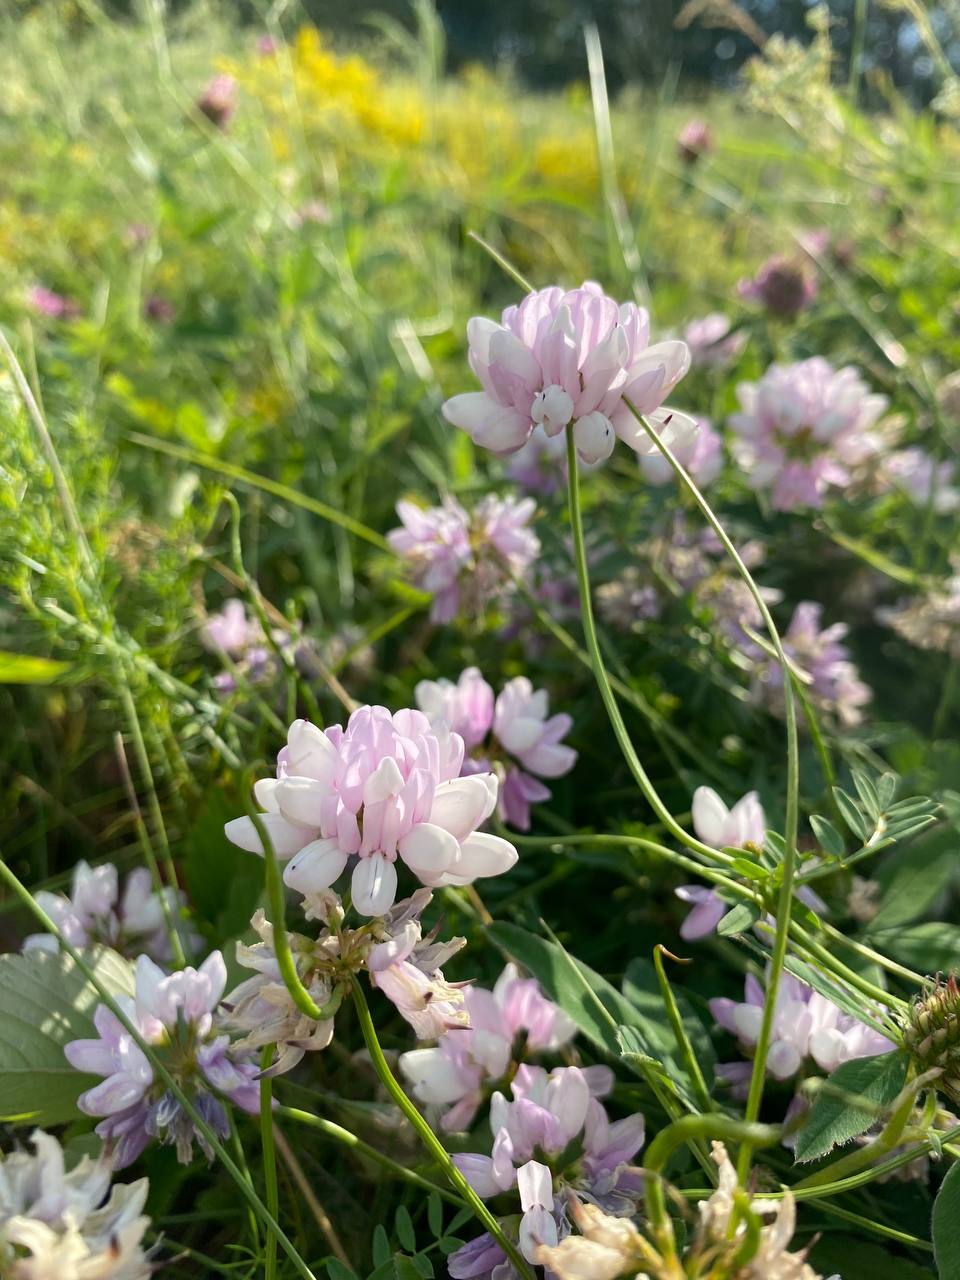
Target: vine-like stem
{"points": [[339, 1134], [791, 808], [600, 671], [269, 1161], [428, 1137], [262, 1212]]}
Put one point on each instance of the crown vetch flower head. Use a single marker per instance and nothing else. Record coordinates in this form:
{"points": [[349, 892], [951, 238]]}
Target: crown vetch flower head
{"points": [[520, 726], [514, 1015], [565, 358], [56, 1225], [95, 912], [386, 785], [712, 341], [466, 560], [174, 1013], [785, 286], [802, 428], [931, 1033]]}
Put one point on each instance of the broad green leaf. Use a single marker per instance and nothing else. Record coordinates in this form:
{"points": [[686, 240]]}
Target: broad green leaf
{"points": [[946, 1226], [834, 1117], [435, 1214], [855, 1258], [21, 668], [403, 1226], [830, 838], [913, 878], [851, 814], [380, 1246], [867, 793], [930, 947], [738, 920], [45, 1001]]}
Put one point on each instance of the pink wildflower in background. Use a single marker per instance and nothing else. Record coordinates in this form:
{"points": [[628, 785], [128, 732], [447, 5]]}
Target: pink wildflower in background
{"points": [[802, 428], [694, 140], [923, 480], [806, 1026], [712, 343], [834, 681], [54, 305], [386, 785], [466, 561], [159, 308], [96, 913], [720, 827], [218, 102], [522, 731], [453, 1074], [696, 446], [560, 358], [785, 286], [540, 465]]}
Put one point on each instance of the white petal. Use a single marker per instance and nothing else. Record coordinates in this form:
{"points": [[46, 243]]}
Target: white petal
{"points": [[286, 837], [374, 885], [386, 780], [709, 816], [460, 805], [488, 423], [315, 867], [264, 792], [483, 854], [300, 799], [428, 849], [535, 1184]]}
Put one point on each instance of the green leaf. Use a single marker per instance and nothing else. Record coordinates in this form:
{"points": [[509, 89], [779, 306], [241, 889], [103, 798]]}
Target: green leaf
{"points": [[403, 1226], [927, 947], [45, 1001], [855, 1258], [738, 920], [827, 834], [913, 878], [380, 1246], [337, 1271], [21, 668], [834, 1117], [946, 1226], [886, 789], [867, 793], [642, 989], [435, 1214], [851, 814]]}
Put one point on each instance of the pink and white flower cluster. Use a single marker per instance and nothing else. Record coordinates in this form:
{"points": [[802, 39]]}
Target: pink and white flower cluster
{"points": [[696, 446], [923, 480], [807, 1027], [95, 913], [512, 735], [454, 1073], [561, 358], [785, 286], [466, 560], [386, 785], [176, 1013], [802, 429], [56, 1225], [545, 1114]]}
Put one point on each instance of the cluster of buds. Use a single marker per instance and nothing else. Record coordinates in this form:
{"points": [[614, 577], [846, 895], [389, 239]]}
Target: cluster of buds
{"points": [[931, 1033]]}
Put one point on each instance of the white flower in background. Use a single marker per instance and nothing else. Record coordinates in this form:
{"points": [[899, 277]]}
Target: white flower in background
{"points": [[56, 1225]]}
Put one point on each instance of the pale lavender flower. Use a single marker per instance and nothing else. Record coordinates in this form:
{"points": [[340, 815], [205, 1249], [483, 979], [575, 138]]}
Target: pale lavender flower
{"points": [[95, 913], [54, 305], [802, 428], [696, 446], [231, 631], [720, 827], [562, 358], [694, 140], [218, 102], [833, 680], [711, 342], [158, 308], [520, 727], [454, 1072], [175, 1011], [930, 621], [466, 560], [923, 480], [56, 1225], [545, 1114], [315, 211], [783, 285], [806, 1026], [386, 785], [628, 599]]}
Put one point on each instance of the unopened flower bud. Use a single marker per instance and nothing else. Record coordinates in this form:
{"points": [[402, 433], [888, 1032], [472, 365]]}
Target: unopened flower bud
{"points": [[552, 409], [594, 437], [931, 1033]]}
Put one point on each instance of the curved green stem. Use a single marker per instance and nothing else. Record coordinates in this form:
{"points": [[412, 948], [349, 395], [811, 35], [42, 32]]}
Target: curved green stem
{"points": [[792, 805], [428, 1137], [348, 1139], [269, 1161], [599, 669]]}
